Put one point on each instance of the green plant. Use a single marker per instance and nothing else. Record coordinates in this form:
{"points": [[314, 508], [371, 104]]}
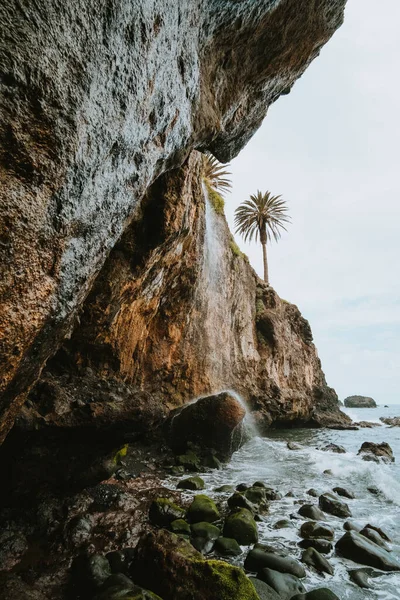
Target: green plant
{"points": [[215, 175], [216, 200], [262, 217], [235, 248]]}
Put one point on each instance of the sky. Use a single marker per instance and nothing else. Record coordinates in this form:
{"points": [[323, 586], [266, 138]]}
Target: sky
{"points": [[331, 148]]}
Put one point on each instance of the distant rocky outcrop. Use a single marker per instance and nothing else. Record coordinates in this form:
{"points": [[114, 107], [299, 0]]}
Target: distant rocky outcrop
{"points": [[392, 421], [359, 402]]}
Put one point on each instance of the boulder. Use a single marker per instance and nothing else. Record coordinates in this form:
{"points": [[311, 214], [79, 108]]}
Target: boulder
{"points": [[323, 546], [239, 500], [202, 509], [360, 549], [180, 527], [376, 452], [284, 584], [283, 524], [89, 573], [293, 446], [332, 505], [213, 422], [191, 483], [318, 594], [359, 402], [312, 529], [258, 559], [163, 511], [344, 493], [205, 530], [170, 567], [392, 421], [375, 537], [352, 526], [313, 558], [227, 547], [264, 591], [361, 576], [383, 535], [310, 511], [312, 492], [241, 526], [333, 448]]}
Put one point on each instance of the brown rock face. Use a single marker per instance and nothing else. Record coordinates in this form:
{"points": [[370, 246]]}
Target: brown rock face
{"points": [[177, 314], [210, 422], [97, 101]]}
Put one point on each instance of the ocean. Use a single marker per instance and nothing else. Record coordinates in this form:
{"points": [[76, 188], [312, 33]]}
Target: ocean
{"points": [[268, 459]]}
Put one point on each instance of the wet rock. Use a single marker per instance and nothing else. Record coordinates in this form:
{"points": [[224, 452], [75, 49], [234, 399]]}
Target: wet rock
{"points": [[283, 524], [310, 511], [344, 493], [89, 573], [202, 545], [205, 530], [189, 461], [115, 590], [120, 560], [312, 492], [332, 505], [202, 509], [392, 421], [163, 511], [383, 535], [360, 549], [312, 529], [361, 576], [359, 402], [367, 424], [105, 496], [293, 446], [284, 584], [264, 591], [334, 448], [256, 495], [313, 558], [318, 594], [210, 423], [375, 537], [258, 559], [14, 588], [239, 500], [13, 545], [224, 488], [323, 546], [227, 547], [328, 472], [180, 526], [240, 526], [172, 568], [242, 487], [376, 452], [352, 526], [191, 483], [374, 490], [212, 462], [272, 494]]}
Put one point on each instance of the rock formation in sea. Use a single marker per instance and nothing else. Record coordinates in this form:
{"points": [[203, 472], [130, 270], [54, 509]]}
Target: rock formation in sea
{"points": [[99, 102], [359, 402]]}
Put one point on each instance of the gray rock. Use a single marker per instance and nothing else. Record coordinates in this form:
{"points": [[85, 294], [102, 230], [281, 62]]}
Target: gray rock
{"points": [[375, 537], [340, 491], [313, 558], [284, 584], [334, 448], [318, 594], [258, 559], [361, 576], [323, 546], [360, 549], [310, 511], [227, 547], [264, 591], [359, 402], [332, 505], [312, 529], [191, 483], [372, 452]]}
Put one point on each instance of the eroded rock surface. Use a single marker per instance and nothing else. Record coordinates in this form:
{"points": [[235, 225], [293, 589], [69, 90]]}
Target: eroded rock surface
{"points": [[96, 102]]}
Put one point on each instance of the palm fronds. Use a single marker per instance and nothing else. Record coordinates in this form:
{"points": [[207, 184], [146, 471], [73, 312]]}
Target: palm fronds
{"points": [[215, 175], [261, 215]]}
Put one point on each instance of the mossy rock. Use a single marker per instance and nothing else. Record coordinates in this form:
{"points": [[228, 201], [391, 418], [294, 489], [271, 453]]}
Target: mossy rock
{"points": [[224, 488], [191, 483], [242, 527], [256, 495], [203, 509], [162, 512], [212, 462], [173, 569], [180, 526], [189, 461], [318, 594], [205, 530], [227, 547]]}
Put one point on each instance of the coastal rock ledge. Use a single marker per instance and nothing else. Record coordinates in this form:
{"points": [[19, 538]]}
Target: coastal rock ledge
{"points": [[97, 102]]}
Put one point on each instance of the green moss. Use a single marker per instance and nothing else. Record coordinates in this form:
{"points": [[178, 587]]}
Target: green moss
{"points": [[216, 200], [235, 248], [260, 307], [241, 526], [229, 581], [120, 454], [203, 509]]}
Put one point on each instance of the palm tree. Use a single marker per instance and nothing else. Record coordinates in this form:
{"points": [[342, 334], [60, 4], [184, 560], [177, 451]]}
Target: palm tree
{"points": [[263, 216], [215, 175]]}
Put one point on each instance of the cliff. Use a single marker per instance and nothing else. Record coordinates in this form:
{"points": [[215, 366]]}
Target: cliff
{"points": [[177, 312], [98, 100]]}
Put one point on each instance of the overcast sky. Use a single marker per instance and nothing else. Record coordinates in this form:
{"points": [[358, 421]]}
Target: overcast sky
{"points": [[331, 148]]}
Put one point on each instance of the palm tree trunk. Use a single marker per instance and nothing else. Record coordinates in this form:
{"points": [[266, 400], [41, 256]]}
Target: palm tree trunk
{"points": [[264, 247]]}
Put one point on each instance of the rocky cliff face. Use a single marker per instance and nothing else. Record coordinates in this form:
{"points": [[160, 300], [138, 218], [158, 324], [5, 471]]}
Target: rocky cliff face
{"points": [[177, 312], [98, 99]]}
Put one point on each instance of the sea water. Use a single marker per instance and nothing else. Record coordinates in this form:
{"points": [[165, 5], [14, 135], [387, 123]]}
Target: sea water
{"points": [[269, 460]]}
